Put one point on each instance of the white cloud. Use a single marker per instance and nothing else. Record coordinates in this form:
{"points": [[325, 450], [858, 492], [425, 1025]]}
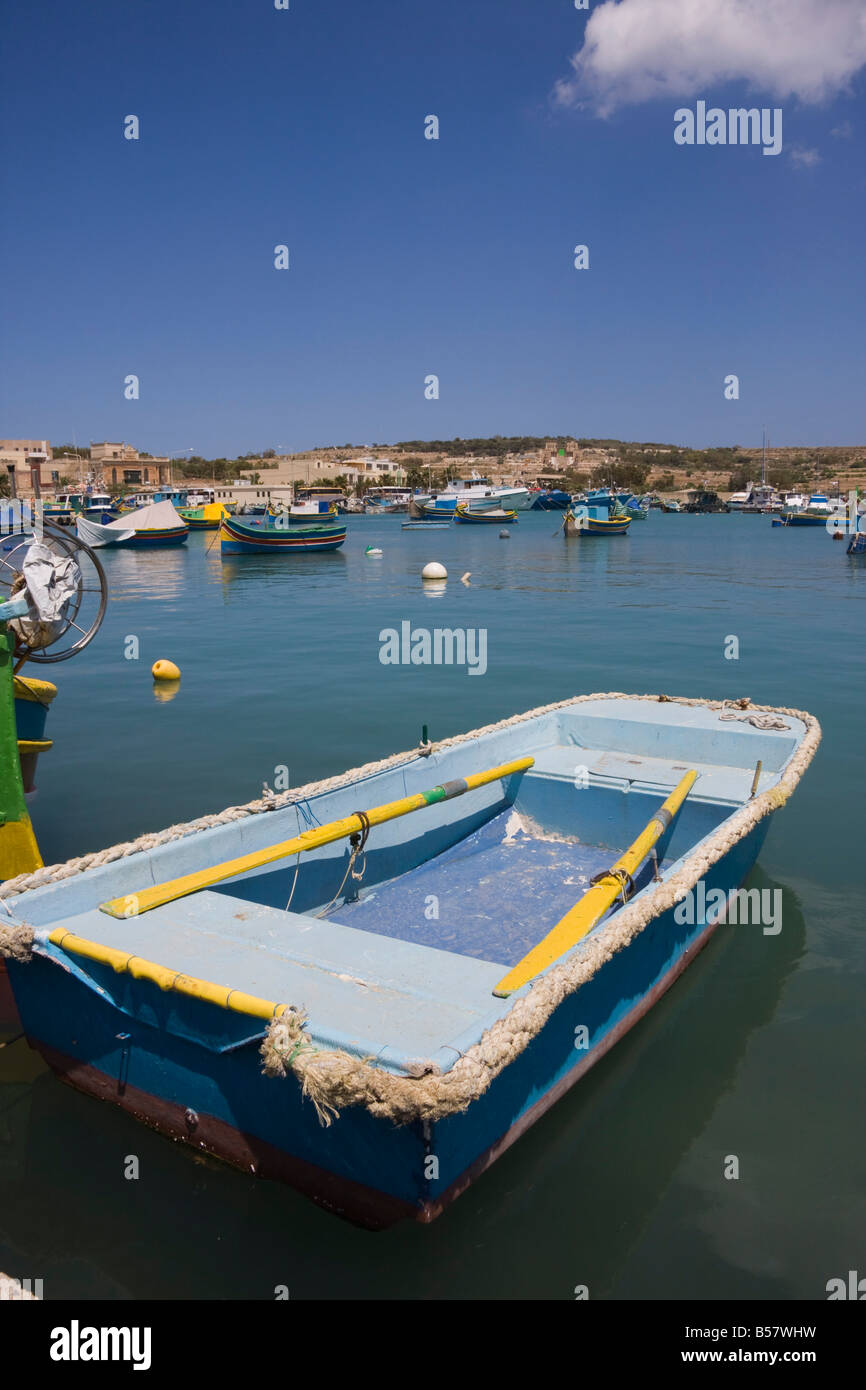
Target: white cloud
{"points": [[634, 50], [843, 131], [804, 157]]}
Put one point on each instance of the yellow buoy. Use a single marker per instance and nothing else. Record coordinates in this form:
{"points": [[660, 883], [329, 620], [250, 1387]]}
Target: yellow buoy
{"points": [[165, 671]]}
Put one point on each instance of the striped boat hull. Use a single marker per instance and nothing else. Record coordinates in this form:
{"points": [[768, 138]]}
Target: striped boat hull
{"points": [[261, 537]]}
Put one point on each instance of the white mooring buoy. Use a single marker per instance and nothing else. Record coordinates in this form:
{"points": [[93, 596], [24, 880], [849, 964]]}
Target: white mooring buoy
{"points": [[434, 571]]}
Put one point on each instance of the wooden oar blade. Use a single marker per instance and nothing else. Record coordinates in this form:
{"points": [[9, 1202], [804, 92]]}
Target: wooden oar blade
{"points": [[596, 901], [134, 904]]}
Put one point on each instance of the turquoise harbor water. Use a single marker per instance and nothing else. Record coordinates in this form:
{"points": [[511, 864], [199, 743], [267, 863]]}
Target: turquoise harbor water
{"points": [[756, 1050]]}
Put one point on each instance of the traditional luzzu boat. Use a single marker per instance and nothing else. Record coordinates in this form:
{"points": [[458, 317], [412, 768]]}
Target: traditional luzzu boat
{"points": [[373, 1005], [464, 514], [282, 535], [817, 513], [205, 517], [33, 700], [45, 616], [595, 521], [155, 525]]}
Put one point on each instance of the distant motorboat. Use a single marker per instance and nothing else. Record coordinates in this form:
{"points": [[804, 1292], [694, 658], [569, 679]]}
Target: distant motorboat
{"points": [[387, 500], [478, 492], [817, 513]]}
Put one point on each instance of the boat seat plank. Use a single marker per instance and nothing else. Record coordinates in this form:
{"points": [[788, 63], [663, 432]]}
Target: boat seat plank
{"points": [[368, 993], [729, 785]]}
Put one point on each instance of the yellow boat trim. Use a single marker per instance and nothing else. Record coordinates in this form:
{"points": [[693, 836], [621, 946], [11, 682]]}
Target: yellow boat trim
{"points": [[40, 692], [19, 852], [124, 963], [35, 745], [595, 902], [133, 904]]}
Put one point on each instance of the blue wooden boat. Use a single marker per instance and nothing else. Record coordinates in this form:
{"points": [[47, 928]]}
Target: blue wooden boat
{"points": [[550, 500], [857, 544], [266, 535], [375, 1008]]}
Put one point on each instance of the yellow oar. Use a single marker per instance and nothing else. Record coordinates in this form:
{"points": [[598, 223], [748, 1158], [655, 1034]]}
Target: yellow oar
{"points": [[597, 899], [133, 904]]}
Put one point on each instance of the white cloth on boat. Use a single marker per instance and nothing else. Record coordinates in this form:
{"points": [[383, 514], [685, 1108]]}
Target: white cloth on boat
{"points": [[52, 581], [94, 534], [157, 516]]}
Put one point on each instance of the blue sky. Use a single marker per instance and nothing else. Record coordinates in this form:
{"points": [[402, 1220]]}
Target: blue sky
{"points": [[411, 256]]}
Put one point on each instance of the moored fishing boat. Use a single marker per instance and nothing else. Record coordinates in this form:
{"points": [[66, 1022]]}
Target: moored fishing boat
{"points": [[466, 515], [550, 500], [595, 521], [816, 513], [205, 517], [33, 699], [155, 525], [479, 492], [228, 983], [268, 535]]}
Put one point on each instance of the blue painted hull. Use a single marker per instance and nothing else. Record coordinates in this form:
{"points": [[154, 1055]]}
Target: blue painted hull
{"points": [[146, 540], [361, 1167], [193, 1069], [551, 502]]}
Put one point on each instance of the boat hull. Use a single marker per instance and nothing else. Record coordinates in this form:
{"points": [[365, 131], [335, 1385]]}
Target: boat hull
{"points": [[144, 540], [596, 526], [360, 1167], [804, 519], [122, 1007], [496, 518], [242, 537]]}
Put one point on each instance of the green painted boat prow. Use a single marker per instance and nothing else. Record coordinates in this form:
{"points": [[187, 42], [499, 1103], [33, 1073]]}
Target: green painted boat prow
{"points": [[19, 852]]}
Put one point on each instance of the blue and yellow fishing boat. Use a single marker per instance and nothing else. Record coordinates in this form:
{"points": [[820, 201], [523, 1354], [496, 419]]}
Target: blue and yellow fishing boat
{"points": [[33, 699], [595, 521], [281, 535], [205, 517], [375, 1008]]}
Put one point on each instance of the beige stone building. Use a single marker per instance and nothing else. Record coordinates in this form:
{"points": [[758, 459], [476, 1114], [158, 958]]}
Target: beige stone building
{"points": [[29, 466], [121, 465]]}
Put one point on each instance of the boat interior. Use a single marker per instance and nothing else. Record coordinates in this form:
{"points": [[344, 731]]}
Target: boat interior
{"points": [[400, 962]]}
